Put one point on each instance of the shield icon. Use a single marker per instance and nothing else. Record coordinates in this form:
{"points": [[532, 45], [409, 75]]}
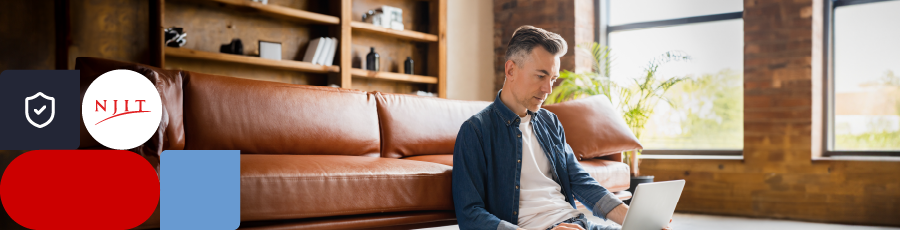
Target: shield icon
{"points": [[41, 110]]}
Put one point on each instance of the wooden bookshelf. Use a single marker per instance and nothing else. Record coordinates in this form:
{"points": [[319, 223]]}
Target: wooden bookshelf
{"points": [[210, 23], [393, 76], [402, 34], [279, 64]]}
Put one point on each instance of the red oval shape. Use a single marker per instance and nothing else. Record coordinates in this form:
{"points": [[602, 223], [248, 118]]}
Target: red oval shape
{"points": [[92, 189]]}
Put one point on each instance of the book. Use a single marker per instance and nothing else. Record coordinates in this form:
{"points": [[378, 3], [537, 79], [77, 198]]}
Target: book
{"points": [[312, 50], [324, 54], [320, 57], [331, 52]]}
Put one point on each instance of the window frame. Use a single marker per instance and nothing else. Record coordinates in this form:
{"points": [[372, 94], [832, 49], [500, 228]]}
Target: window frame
{"points": [[602, 30], [828, 149]]}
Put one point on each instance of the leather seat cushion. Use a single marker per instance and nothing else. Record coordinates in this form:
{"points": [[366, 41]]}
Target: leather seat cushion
{"points": [[444, 159], [275, 187], [394, 220], [612, 175]]}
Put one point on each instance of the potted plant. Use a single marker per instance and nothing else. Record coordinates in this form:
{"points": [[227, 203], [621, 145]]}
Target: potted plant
{"points": [[635, 101]]}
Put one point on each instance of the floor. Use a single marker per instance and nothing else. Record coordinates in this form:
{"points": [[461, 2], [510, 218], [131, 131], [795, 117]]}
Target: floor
{"points": [[710, 222], [702, 222]]}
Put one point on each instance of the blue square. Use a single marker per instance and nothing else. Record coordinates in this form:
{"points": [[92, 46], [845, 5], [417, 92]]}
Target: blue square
{"points": [[200, 189]]}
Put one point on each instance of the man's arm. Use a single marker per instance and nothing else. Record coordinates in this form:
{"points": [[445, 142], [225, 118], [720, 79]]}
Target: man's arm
{"points": [[618, 214], [595, 197], [468, 183]]}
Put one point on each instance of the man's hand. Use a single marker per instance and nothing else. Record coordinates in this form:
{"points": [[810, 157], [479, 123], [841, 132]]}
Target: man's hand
{"points": [[618, 215], [668, 227], [568, 226]]}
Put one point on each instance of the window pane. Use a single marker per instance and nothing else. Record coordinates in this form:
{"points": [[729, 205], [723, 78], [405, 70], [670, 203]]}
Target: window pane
{"points": [[709, 110], [632, 11], [867, 76]]}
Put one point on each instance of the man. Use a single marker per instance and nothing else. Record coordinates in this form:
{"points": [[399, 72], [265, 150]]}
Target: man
{"points": [[512, 168]]}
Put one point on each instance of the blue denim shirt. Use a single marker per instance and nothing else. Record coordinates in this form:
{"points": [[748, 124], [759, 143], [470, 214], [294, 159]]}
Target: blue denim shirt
{"points": [[487, 165]]}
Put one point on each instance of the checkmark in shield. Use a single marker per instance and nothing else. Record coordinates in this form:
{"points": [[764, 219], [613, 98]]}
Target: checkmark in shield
{"points": [[41, 110]]}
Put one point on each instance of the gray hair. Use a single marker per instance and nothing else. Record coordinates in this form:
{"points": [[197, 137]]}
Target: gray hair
{"points": [[527, 37]]}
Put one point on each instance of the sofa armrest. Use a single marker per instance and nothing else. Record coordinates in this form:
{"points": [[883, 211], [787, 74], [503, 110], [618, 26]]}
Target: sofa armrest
{"points": [[612, 157]]}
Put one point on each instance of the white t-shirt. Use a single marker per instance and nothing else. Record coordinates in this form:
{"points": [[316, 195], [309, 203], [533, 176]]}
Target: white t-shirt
{"points": [[541, 203]]}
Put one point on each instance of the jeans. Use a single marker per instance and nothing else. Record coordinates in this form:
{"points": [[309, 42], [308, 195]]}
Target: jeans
{"points": [[587, 225]]}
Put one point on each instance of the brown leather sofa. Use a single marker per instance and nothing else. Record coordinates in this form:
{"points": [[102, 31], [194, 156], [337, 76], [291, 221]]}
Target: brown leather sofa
{"points": [[328, 158]]}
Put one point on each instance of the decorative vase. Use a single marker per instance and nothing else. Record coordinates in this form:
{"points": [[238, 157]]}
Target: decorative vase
{"points": [[372, 60], [408, 66]]}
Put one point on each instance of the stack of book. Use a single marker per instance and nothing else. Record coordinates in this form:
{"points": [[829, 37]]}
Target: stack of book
{"points": [[321, 51]]}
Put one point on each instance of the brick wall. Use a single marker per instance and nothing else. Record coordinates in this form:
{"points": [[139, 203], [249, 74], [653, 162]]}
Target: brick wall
{"points": [[571, 19], [778, 177]]}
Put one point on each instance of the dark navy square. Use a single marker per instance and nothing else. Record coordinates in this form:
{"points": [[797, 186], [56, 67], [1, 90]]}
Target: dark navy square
{"points": [[41, 109]]}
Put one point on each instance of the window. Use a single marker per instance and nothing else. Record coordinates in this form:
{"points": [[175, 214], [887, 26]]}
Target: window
{"points": [[864, 93], [707, 117]]}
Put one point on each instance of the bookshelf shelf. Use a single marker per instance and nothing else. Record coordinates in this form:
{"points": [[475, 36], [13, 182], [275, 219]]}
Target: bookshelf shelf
{"points": [[393, 76], [278, 64], [402, 34], [282, 12]]}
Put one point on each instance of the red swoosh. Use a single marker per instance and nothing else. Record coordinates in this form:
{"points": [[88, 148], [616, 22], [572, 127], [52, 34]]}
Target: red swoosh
{"points": [[121, 115]]}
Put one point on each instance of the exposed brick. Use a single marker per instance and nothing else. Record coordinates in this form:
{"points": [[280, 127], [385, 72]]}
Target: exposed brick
{"points": [[806, 12], [571, 19]]}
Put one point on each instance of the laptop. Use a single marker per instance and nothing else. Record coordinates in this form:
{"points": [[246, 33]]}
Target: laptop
{"points": [[652, 205]]}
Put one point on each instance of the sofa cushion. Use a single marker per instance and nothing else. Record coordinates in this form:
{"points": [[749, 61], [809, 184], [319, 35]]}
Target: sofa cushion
{"points": [[612, 175], [593, 127], [277, 187], [414, 125], [444, 159], [394, 220], [260, 117]]}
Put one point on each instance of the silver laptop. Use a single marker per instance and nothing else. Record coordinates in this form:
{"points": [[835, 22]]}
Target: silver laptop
{"points": [[652, 205]]}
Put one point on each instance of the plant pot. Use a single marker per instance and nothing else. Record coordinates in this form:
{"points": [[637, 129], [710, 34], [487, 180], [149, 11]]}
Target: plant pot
{"points": [[635, 181]]}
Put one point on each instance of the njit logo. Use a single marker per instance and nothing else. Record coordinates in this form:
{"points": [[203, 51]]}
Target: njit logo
{"points": [[98, 107], [116, 94]]}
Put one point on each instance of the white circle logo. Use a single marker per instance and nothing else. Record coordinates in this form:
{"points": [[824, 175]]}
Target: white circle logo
{"points": [[121, 109]]}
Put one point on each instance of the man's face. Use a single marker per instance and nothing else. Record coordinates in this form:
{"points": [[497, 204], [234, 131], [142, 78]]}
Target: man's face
{"points": [[532, 80]]}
